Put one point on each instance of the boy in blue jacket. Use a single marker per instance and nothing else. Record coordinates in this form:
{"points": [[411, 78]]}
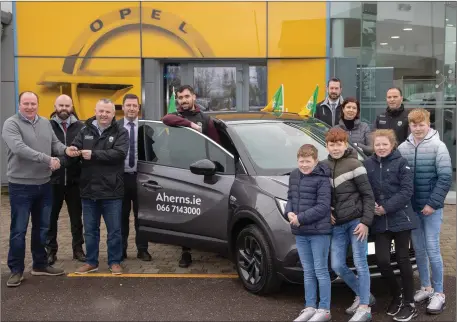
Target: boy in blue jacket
{"points": [[431, 165], [308, 211]]}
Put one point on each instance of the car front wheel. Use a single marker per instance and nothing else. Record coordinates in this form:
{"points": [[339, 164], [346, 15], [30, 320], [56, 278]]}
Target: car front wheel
{"points": [[254, 261]]}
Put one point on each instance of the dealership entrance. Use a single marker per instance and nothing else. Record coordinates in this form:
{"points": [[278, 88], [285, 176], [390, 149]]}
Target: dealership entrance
{"points": [[219, 85]]}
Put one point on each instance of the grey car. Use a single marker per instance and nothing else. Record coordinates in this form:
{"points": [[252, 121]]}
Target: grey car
{"points": [[229, 197]]}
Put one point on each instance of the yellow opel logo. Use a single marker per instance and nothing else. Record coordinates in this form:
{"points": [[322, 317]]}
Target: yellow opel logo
{"points": [[109, 25]]}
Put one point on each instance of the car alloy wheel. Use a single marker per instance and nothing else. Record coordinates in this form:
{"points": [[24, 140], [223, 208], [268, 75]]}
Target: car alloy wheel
{"points": [[250, 260], [254, 261]]}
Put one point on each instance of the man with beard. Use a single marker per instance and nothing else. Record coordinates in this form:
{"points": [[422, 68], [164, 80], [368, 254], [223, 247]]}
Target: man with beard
{"points": [[395, 117], [329, 110], [65, 181], [131, 109], [189, 114]]}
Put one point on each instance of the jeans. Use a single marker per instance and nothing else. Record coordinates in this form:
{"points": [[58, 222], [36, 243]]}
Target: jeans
{"points": [[71, 196], [111, 210], [313, 252], [382, 246], [426, 243], [341, 237], [26, 200]]}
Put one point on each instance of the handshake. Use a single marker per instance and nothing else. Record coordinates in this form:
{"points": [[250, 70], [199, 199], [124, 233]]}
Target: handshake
{"points": [[73, 152]]}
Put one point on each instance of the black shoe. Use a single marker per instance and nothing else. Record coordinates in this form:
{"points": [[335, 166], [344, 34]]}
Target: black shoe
{"points": [[186, 260], [407, 312], [395, 306], [144, 256], [79, 255], [52, 258]]}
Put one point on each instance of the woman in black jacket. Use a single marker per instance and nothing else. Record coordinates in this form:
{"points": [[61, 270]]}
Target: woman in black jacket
{"points": [[391, 179], [359, 132]]}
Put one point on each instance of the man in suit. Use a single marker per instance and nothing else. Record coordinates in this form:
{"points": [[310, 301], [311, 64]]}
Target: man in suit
{"points": [[65, 181], [131, 108]]}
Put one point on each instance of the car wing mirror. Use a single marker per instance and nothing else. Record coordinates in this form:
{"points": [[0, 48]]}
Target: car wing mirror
{"points": [[203, 167]]}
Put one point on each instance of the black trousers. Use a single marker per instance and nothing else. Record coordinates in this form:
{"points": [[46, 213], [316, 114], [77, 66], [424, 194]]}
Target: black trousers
{"points": [[382, 247], [131, 199], [72, 197]]}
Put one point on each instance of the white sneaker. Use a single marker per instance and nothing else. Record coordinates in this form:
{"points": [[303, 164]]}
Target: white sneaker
{"points": [[422, 295], [361, 315], [305, 314], [321, 316], [351, 310], [437, 304]]}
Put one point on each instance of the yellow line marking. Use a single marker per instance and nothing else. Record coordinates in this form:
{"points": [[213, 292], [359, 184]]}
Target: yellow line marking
{"points": [[145, 275]]}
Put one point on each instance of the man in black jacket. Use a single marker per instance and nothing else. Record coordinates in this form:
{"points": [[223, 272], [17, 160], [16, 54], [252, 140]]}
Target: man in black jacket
{"points": [[395, 117], [103, 145], [65, 182], [329, 110]]}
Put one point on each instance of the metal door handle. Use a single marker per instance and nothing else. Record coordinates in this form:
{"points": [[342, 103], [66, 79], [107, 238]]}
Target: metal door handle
{"points": [[151, 184]]}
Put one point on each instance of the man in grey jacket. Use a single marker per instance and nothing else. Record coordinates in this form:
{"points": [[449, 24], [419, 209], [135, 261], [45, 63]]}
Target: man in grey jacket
{"points": [[30, 141]]}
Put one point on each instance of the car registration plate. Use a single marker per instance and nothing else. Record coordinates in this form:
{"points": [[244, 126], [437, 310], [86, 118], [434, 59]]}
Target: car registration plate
{"points": [[371, 248]]}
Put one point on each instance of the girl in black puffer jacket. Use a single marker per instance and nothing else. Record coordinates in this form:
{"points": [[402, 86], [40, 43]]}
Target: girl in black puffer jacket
{"points": [[391, 179]]}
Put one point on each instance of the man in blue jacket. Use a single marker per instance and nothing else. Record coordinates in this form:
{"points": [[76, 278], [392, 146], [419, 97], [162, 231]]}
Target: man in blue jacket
{"points": [[431, 164]]}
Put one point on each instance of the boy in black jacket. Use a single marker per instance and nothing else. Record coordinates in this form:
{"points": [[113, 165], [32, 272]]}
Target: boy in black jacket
{"points": [[353, 207], [308, 211]]}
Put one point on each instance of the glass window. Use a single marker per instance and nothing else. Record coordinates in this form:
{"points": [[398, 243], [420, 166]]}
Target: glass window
{"points": [[276, 153], [180, 147], [410, 45], [257, 87], [215, 88]]}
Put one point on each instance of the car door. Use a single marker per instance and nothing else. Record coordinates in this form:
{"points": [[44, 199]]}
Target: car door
{"points": [[175, 205]]}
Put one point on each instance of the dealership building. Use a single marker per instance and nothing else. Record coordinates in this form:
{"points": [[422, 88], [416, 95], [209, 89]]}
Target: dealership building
{"points": [[235, 54]]}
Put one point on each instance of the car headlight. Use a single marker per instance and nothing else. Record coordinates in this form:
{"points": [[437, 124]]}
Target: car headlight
{"points": [[281, 205]]}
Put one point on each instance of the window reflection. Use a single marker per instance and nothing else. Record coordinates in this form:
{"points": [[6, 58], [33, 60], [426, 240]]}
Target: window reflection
{"points": [[215, 88], [257, 87]]}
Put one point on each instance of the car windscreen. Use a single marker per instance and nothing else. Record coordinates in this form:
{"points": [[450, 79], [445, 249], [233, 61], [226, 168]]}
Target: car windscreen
{"points": [[272, 146]]}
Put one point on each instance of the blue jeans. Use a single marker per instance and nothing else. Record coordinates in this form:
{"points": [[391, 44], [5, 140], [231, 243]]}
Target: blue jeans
{"points": [[341, 237], [26, 200], [426, 243], [313, 252], [111, 209]]}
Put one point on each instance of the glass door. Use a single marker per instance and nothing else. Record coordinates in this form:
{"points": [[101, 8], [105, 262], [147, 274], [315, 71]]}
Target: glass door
{"points": [[219, 86]]}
